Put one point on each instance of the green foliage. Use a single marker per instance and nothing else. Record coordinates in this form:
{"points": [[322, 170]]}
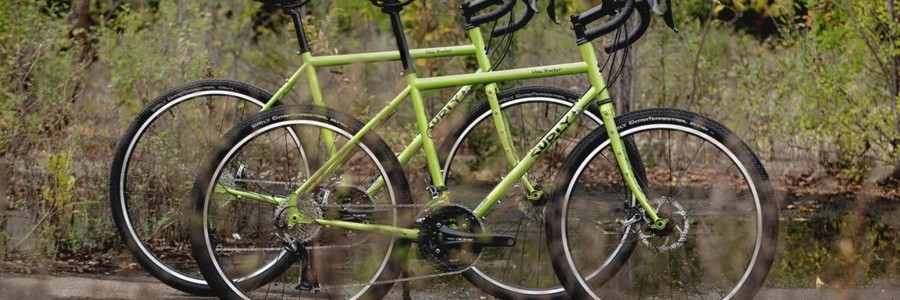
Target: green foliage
{"points": [[142, 58], [58, 194], [823, 85], [62, 183], [848, 98], [36, 73]]}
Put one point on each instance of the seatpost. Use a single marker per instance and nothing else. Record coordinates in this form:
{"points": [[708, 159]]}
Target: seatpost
{"points": [[298, 27], [392, 8]]}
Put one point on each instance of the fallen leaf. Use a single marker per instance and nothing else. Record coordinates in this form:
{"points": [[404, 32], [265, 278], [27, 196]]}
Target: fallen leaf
{"points": [[820, 284]]}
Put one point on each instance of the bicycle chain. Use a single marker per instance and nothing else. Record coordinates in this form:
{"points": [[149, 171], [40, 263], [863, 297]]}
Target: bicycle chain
{"points": [[373, 205], [272, 182], [392, 281]]}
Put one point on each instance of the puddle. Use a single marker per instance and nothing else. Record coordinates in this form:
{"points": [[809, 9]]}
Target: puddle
{"points": [[843, 241]]}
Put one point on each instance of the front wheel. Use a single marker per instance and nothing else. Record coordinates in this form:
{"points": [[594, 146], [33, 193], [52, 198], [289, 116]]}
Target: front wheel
{"points": [[239, 229], [701, 177]]}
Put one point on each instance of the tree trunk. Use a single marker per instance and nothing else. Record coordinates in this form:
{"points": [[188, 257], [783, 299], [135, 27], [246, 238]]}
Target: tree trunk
{"points": [[895, 71], [622, 91], [6, 170], [695, 73], [81, 14]]}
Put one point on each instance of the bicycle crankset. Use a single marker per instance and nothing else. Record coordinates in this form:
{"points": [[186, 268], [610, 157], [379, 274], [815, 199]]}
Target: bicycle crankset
{"points": [[452, 238]]}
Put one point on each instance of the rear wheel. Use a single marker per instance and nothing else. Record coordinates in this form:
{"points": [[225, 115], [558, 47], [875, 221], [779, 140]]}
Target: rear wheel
{"points": [[240, 242], [474, 162], [156, 161], [701, 177]]}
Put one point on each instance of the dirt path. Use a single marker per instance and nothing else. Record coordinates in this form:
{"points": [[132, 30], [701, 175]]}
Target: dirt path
{"points": [[71, 287], [112, 287]]}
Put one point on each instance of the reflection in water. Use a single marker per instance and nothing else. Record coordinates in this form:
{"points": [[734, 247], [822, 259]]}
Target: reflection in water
{"points": [[846, 241], [820, 236]]}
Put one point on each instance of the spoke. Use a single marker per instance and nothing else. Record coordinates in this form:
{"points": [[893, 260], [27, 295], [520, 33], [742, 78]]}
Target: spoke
{"points": [[690, 164], [690, 209], [509, 255], [669, 162]]}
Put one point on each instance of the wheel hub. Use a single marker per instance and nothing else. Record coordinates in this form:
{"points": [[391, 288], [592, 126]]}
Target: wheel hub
{"points": [[674, 232], [309, 206]]}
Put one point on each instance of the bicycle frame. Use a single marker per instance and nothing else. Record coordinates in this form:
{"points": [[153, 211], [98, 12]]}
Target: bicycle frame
{"points": [[308, 70], [597, 93]]}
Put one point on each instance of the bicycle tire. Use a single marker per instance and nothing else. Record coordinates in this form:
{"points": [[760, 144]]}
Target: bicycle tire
{"points": [[520, 106], [211, 243], [662, 267], [163, 253]]}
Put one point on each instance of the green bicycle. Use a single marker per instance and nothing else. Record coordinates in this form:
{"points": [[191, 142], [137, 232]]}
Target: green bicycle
{"points": [[158, 152], [690, 213]]}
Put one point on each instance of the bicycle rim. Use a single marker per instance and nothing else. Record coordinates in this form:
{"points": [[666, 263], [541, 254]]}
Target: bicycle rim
{"points": [[476, 162], [344, 264], [696, 180], [159, 165]]}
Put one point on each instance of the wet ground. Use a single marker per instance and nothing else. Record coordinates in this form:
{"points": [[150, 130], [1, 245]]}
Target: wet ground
{"points": [[830, 247], [111, 287], [838, 240]]}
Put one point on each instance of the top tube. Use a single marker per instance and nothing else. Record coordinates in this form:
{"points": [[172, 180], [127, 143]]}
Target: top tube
{"points": [[385, 56]]}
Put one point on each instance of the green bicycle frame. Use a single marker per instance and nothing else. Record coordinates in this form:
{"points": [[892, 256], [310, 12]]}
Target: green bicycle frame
{"points": [[310, 63], [308, 70], [597, 92]]}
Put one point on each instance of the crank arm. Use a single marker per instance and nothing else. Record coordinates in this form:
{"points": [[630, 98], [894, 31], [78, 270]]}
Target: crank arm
{"points": [[452, 236], [364, 214]]}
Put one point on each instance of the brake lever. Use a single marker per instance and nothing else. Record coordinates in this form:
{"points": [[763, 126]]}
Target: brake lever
{"points": [[551, 11], [667, 16]]}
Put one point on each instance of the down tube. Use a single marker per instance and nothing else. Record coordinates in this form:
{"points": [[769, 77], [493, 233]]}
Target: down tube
{"points": [[340, 156], [515, 175]]}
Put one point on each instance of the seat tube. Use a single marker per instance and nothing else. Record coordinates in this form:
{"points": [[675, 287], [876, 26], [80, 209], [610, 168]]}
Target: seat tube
{"points": [[311, 78], [409, 72], [316, 92], [434, 167]]}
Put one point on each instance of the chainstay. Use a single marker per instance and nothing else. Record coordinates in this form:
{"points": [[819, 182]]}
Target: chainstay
{"points": [[329, 205]]}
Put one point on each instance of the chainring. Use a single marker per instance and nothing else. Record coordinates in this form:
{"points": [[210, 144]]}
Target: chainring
{"points": [[445, 254]]}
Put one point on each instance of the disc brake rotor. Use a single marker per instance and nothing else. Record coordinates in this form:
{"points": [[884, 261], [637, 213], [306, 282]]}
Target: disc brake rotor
{"points": [[675, 236]]}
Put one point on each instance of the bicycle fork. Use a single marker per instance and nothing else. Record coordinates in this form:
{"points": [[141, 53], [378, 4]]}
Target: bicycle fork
{"points": [[608, 114]]}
